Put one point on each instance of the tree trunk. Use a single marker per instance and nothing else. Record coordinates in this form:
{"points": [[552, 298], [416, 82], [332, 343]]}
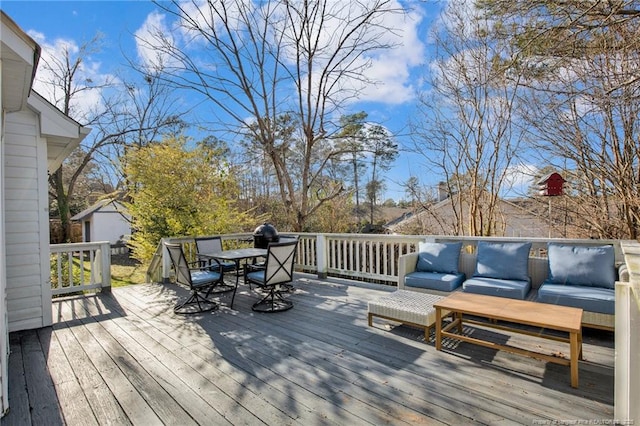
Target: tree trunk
{"points": [[63, 204]]}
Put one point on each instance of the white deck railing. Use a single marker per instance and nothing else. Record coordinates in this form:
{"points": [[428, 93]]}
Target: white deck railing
{"points": [[627, 363], [360, 256], [79, 267]]}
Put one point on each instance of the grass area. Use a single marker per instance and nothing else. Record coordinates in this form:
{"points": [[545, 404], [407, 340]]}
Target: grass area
{"points": [[126, 271], [122, 275]]}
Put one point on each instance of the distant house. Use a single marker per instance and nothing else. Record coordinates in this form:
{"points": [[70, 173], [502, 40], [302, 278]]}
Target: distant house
{"points": [[106, 220], [35, 139], [516, 218]]}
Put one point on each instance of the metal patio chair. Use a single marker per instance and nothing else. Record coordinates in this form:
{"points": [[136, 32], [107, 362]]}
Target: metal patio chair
{"points": [[201, 282], [205, 247], [273, 276]]}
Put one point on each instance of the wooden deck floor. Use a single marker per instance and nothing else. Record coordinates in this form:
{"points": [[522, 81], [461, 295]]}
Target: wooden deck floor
{"points": [[125, 358]]}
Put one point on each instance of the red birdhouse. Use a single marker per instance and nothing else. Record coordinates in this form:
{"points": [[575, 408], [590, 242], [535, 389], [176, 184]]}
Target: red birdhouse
{"points": [[551, 185]]}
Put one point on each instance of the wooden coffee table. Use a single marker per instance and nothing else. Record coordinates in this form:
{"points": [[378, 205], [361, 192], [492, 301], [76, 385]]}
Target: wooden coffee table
{"points": [[542, 315]]}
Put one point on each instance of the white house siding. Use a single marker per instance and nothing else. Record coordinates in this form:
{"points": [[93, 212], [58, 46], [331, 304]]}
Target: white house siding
{"points": [[4, 334], [26, 227]]}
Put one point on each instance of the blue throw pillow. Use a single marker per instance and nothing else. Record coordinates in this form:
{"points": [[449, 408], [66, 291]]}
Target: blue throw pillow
{"points": [[438, 257], [506, 261], [581, 265]]}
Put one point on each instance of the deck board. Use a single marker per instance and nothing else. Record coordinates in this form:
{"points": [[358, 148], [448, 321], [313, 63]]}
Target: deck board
{"points": [[126, 358], [18, 396], [103, 359], [159, 384], [71, 395]]}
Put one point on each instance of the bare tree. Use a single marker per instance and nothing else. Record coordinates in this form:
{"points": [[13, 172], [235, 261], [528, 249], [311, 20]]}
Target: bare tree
{"points": [[124, 113], [583, 103], [257, 61], [566, 30], [466, 132], [589, 123]]}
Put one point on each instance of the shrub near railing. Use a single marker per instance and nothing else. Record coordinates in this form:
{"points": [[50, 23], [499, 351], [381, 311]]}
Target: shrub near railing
{"points": [[80, 267]]}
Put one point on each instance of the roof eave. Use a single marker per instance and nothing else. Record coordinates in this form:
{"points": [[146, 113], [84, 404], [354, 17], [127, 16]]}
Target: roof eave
{"points": [[63, 134], [20, 55]]}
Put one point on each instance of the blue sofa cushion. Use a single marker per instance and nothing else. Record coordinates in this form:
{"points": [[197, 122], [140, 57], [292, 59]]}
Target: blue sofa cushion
{"points": [[438, 257], [202, 277], [258, 276], [434, 280], [592, 299], [513, 289], [583, 266], [508, 261]]}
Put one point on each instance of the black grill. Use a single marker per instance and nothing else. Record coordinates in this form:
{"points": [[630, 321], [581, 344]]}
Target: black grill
{"points": [[265, 234]]}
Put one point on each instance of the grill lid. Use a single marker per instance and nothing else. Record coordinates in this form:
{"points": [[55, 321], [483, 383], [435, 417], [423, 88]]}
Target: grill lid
{"points": [[266, 230], [265, 234]]}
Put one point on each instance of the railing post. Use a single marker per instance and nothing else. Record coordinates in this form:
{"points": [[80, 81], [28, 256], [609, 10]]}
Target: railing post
{"points": [[322, 256], [166, 263], [105, 266], [627, 339]]}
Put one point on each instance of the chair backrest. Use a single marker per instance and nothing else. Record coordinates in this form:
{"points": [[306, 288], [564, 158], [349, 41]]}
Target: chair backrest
{"points": [[208, 245], [280, 261], [180, 265]]}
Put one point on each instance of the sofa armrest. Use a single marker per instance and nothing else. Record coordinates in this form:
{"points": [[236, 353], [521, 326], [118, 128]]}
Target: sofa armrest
{"points": [[406, 264], [623, 273]]}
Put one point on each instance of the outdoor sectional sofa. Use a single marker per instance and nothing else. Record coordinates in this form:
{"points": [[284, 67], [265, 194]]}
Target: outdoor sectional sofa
{"points": [[571, 275]]}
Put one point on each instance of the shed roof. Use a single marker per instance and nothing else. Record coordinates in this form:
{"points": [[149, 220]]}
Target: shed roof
{"points": [[98, 206]]}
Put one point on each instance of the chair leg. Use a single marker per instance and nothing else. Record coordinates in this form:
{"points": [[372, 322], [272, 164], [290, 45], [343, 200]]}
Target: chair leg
{"points": [[272, 302], [195, 304], [221, 287]]}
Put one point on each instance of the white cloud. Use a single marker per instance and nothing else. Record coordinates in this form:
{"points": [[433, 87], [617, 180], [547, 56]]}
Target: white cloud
{"points": [[388, 70], [391, 69], [200, 14], [37, 36], [519, 178], [153, 33]]}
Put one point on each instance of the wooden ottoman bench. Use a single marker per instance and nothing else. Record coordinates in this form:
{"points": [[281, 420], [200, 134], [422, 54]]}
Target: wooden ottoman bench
{"points": [[408, 307]]}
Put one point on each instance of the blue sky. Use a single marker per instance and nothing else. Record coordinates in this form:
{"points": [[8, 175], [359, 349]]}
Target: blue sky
{"points": [[76, 22]]}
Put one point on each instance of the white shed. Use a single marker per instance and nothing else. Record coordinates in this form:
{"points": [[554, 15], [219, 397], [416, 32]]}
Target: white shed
{"points": [[106, 220], [35, 139]]}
